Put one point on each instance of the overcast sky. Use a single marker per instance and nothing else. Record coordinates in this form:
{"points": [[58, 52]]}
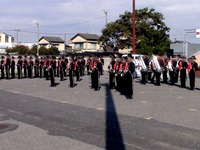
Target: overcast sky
{"points": [[57, 17]]}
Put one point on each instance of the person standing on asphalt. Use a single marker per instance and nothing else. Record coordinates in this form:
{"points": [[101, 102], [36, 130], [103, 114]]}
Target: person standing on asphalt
{"points": [[192, 68]]}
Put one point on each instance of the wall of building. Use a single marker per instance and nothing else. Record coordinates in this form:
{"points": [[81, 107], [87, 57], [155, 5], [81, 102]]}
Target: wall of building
{"points": [[179, 48], [5, 38], [87, 45], [45, 43], [198, 59]]}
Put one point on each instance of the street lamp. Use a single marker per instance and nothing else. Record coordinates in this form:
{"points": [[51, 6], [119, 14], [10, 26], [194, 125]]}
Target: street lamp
{"points": [[134, 29]]}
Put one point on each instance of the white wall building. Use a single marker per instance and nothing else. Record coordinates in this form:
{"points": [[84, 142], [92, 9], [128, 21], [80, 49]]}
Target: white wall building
{"points": [[5, 38]]}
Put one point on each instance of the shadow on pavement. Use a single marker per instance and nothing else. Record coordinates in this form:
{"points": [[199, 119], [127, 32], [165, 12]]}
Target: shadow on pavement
{"points": [[114, 139]]}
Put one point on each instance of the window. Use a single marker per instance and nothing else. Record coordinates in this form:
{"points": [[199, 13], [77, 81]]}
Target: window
{"points": [[78, 45], [93, 46]]}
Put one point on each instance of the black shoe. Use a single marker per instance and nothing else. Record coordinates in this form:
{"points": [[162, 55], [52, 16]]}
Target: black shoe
{"points": [[53, 85], [129, 97]]}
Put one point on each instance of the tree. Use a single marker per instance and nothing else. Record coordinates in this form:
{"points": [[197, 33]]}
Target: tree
{"points": [[33, 50], [53, 51], [20, 49], [43, 51], [151, 31]]}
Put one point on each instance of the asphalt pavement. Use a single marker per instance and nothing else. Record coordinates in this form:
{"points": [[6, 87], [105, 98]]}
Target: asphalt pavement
{"points": [[41, 117]]}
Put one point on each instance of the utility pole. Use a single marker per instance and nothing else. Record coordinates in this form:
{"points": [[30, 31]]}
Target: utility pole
{"points": [[65, 38], [106, 16], [17, 36], [38, 37], [134, 28]]}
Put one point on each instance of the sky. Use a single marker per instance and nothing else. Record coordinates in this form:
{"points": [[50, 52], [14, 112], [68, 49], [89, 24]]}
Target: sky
{"points": [[60, 17]]}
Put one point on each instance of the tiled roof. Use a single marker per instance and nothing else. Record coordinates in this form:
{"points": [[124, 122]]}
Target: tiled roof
{"points": [[87, 36], [53, 39]]}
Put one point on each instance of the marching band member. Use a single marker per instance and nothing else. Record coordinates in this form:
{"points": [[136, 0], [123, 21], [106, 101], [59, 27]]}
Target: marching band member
{"points": [[158, 73], [165, 70], [83, 65], [176, 65], [13, 67], [118, 71], [71, 69], [8, 65], [46, 65], [123, 69], [30, 67], [183, 65], [129, 76], [150, 67], [112, 68], [192, 67], [58, 67], [88, 64], [171, 71], [95, 65], [36, 67], [3, 62], [101, 59], [65, 66], [62, 68], [19, 67], [51, 70], [144, 73], [41, 66], [77, 69], [25, 65]]}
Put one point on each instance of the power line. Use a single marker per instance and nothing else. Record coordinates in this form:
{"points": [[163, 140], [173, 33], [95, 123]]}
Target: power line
{"points": [[76, 23]]}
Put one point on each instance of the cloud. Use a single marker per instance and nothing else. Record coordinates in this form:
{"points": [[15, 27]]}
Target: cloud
{"points": [[71, 17]]}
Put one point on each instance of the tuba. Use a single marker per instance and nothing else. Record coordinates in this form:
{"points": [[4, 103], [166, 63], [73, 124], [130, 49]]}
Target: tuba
{"points": [[143, 65], [156, 63]]}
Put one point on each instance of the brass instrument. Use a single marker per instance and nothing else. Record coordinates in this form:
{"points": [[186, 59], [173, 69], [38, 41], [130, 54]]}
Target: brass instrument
{"points": [[156, 63], [143, 65]]}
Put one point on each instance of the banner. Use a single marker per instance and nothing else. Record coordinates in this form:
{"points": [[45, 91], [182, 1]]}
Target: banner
{"points": [[197, 33]]}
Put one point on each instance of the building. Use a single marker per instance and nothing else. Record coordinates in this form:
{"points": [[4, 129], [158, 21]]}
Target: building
{"points": [[85, 42], [186, 49], [5, 38], [6, 41], [48, 42]]}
